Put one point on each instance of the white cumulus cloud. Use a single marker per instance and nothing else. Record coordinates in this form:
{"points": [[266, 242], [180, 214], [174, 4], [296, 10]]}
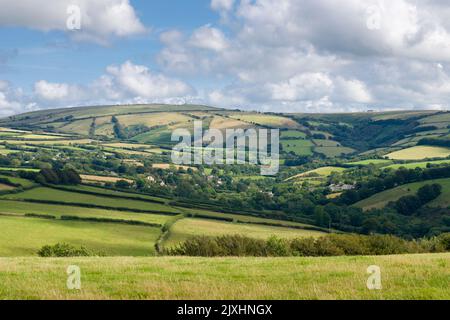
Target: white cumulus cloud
{"points": [[100, 19]]}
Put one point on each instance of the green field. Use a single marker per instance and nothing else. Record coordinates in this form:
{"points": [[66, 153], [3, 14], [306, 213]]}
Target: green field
{"points": [[18, 207], [115, 193], [244, 218], [420, 153], [19, 169], [370, 162], [381, 199], [25, 236], [172, 278], [326, 143], [185, 228], [48, 194], [323, 172], [417, 164], [333, 152], [299, 147], [292, 134], [23, 182]]}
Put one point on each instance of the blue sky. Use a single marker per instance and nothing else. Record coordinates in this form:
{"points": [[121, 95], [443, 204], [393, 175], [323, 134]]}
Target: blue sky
{"points": [[269, 55], [52, 56]]}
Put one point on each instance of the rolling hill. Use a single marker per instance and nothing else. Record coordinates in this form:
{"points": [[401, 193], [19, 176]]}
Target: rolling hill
{"points": [[131, 204]]}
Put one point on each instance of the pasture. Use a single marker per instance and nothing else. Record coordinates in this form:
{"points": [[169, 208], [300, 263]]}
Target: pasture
{"points": [[333, 152], [370, 162], [323, 172], [419, 153], [67, 197], [93, 178], [5, 187], [299, 147], [266, 120], [414, 165], [22, 208], [153, 119], [25, 236], [290, 134], [23, 182], [176, 278], [110, 192]]}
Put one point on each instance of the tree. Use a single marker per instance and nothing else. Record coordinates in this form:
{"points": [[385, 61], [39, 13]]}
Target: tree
{"points": [[122, 184], [321, 217], [408, 205], [429, 192], [50, 176]]}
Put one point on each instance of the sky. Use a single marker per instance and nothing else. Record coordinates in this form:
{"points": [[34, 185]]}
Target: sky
{"points": [[265, 55]]}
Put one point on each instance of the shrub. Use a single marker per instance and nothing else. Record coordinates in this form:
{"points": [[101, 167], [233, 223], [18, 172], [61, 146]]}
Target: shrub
{"points": [[63, 250], [428, 192], [277, 247], [330, 245], [40, 216], [444, 240]]}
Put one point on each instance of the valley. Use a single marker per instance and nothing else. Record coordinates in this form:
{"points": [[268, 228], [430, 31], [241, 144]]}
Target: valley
{"points": [[101, 179]]}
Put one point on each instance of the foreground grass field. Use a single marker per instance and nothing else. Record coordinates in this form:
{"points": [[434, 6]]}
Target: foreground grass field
{"points": [[403, 277], [25, 236]]}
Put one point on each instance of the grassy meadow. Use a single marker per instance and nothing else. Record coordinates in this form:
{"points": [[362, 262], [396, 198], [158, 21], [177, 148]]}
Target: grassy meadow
{"points": [[25, 236], [420, 153], [22, 208], [414, 165], [299, 147], [47, 194], [403, 277], [321, 172], [370, 162]]}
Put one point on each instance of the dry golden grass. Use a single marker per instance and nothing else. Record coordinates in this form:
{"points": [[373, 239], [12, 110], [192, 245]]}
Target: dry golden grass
{"points": [[420, 153], [167, 166], [5, 187], [266, 120], [323, 172], [153, 119], [92, 178], [222, 123], [49, 142], [127, 145], [403, 277], [41, 137]]}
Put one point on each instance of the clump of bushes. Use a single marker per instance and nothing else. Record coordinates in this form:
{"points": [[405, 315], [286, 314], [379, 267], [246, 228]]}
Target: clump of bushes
{"points": [[408, 205], [61, 250], [40, 216], [330, 245], [53, 176]]}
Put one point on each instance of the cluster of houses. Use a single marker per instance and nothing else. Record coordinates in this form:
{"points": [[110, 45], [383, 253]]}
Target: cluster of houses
{"points": [[341, 187]]}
